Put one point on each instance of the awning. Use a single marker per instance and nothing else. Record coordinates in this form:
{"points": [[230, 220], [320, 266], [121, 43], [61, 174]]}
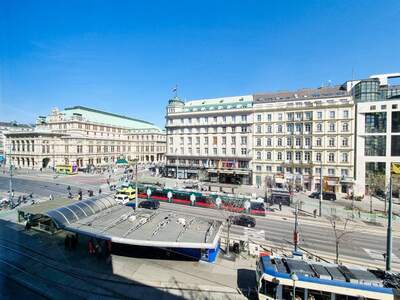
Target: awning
{"points": [[122, 161]]}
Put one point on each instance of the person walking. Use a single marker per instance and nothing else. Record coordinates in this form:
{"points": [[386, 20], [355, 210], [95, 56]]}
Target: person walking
{"points": [[90, 247], [99, 191]]}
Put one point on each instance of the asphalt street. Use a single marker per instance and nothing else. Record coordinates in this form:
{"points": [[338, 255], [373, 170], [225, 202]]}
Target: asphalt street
{"points": [[313, 236]]}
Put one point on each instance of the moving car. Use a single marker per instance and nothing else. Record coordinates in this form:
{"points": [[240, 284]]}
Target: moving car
{"points": [[121, 198], [325, 195], [149, 204], [243, 220]]}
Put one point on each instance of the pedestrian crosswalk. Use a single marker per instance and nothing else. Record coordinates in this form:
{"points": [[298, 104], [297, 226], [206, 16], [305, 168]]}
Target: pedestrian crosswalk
{"points": [[380, 255], [254, 233]]}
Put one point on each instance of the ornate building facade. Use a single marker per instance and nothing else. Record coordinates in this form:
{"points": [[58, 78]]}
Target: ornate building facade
{"points": [[85, 137]]}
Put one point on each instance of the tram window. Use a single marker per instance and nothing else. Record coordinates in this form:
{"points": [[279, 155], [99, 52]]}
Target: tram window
{"points": [[344, 297], [318, 295], [268, 288], [287, 292]]}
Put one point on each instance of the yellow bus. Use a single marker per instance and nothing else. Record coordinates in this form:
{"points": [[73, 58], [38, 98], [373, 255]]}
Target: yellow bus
{"points": [[67, 169], [128, 191]]}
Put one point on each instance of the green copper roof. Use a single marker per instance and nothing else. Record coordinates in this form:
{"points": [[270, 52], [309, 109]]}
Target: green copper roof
{"points": [[102, 117]]}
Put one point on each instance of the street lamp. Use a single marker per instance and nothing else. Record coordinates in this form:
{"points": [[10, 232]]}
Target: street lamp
{"points": [[294, 278], [320, 189], [11, 202], [136, 183]]}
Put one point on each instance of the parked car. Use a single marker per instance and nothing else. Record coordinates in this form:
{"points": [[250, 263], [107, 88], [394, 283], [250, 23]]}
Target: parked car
{"points": [[243, 220], [149, 204], [325, 195], [121, 198]]}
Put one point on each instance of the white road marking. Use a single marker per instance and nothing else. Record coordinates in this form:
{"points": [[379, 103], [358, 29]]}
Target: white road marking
{"points": [[378, 255]]}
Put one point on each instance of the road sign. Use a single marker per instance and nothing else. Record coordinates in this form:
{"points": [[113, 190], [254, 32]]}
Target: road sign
{"points": [[192, 198], [247, 205], [169, 195]]}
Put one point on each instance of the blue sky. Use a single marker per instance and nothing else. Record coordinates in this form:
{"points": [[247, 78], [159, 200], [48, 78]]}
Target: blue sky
{"points": [[125, 56]]}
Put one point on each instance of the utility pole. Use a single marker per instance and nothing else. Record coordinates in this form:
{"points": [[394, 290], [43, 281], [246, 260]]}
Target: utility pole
{"points": [[320, 189], [296, 233], [136, 185], [389, 228], [11, 170]]}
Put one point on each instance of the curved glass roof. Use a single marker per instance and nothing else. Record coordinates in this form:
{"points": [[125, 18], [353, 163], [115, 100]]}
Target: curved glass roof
{"points": [[72, 213]]}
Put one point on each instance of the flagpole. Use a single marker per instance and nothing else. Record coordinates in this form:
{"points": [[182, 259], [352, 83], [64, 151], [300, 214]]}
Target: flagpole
{"points": [[389, 242]]}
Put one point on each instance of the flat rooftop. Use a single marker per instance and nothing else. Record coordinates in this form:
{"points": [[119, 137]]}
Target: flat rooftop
{"points": [[104, 218]]}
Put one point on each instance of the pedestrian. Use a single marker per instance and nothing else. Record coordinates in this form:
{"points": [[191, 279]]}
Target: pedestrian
{"points": [[315, 213], [68, 188], [99, 250], [90, 247], [99, 191], [280, 206]]}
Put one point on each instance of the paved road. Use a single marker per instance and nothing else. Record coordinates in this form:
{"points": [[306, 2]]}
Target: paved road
{"points": [[314, 237]]}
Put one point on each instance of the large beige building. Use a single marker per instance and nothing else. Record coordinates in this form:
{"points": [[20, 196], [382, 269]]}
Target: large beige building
{"points": [[210, 139], [296, 134], [282, 138], [85, 137]]}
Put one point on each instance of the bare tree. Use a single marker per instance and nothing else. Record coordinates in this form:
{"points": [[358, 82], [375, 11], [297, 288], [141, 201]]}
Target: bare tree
{"points": [[229, 209], [340, 231], [376, 183]]}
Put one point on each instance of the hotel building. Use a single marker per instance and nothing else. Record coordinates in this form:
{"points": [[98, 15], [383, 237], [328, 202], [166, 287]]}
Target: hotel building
{"points": [[210, 139], [297, 134]]}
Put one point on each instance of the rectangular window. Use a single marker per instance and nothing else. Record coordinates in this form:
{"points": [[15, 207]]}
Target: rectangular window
{"points": [[259, 118], [215, 140], [258, 180], [396, 121], [395, 145], [376, 122], [233, 140], [269, 117], [332, 114], [375, 146], [319, 115], [233, 151], [345, 114]]}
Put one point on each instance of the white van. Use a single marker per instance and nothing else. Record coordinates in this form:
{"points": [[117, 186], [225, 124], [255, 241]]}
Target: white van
{"points": [[121, 198]]}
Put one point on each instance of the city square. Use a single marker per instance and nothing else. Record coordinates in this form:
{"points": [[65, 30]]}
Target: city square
{"points": [[199, 150]]}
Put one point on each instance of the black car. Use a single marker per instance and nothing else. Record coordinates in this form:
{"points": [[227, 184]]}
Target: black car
{"points": [[325, 195], [243, 220], [149, 204]]}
